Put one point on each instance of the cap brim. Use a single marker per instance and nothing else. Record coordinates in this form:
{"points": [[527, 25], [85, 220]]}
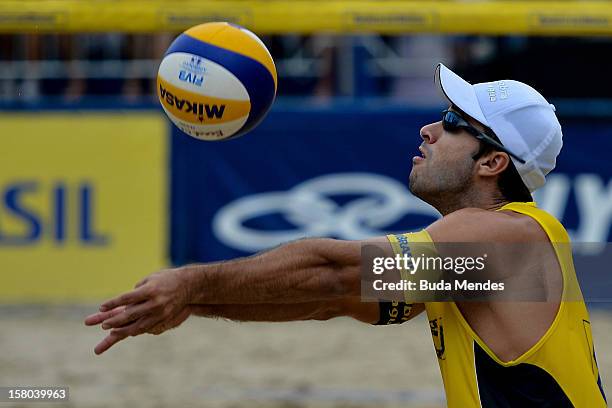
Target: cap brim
{"points": [[459, 93]]}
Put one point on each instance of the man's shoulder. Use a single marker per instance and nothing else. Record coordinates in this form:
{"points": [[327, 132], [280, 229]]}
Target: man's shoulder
{"points": [[479, 225]]}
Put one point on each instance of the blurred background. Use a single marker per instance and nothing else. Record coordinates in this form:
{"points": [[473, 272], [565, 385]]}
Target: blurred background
{"points": [[97, 189]]}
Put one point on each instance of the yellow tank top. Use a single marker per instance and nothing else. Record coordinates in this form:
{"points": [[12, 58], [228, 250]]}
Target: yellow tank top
{"points": [[560, 370]]}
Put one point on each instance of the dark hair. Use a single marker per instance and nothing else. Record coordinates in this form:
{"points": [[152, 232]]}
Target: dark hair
{"points": [[509, 182]]}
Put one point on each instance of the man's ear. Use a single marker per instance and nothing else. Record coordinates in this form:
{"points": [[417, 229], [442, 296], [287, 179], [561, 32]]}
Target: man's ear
{"points": [[493, 163]]}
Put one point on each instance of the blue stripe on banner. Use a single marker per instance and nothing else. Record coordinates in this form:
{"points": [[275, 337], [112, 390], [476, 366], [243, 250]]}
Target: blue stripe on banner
{"points": [[254, 76]]}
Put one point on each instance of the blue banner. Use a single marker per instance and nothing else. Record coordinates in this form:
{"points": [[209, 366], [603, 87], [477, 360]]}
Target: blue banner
{"points": [[343, 173]]}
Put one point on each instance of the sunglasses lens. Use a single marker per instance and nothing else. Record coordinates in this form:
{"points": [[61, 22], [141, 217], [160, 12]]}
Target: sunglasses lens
{"points": [[450, 121]]}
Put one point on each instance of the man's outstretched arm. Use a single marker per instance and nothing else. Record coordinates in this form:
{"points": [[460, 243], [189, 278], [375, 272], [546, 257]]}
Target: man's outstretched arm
{"points": [[297, 272], [367, 312], [312, 276], [300, 271]]}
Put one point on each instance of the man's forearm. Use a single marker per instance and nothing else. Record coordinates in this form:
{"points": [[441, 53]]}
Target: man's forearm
{"points": [[262, 312], [298, 272]]}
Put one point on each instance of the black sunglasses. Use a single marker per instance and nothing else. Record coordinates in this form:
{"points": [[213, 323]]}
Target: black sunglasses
{"points": [[452, 122]]}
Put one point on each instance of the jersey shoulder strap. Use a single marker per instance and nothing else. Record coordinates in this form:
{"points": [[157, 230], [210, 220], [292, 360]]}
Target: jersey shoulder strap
{"points": [[553, 228]]}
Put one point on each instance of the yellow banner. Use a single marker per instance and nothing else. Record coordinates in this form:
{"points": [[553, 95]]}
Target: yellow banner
{"points": [[83, 204], [574, 18]]}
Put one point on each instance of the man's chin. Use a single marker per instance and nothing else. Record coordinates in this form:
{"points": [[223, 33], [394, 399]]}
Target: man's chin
{"points": [[417, 186], [413, 179], [413, 184]]}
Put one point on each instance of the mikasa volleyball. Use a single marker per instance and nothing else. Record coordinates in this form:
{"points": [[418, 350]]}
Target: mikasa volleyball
{"points": [[216, 81]]}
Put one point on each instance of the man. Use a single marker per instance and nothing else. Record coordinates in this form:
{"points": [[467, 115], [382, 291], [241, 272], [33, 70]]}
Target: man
{"points": [[478, 167]]}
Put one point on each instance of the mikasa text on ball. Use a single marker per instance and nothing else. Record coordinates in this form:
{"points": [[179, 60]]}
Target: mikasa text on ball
{"points": [[217, 81]]}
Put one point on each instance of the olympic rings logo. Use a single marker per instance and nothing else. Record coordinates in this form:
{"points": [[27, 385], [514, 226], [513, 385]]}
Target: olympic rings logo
{"points": [[310, 206]]}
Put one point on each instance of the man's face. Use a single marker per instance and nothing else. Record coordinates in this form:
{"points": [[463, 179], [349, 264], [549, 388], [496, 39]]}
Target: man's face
{"points": [[445, 165]]}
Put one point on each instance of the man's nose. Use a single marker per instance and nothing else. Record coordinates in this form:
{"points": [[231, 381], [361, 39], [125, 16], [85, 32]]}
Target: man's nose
{"points": [[430, 133]]}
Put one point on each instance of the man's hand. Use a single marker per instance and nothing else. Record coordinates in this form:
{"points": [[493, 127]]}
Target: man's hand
{"points": [[158, 303]]}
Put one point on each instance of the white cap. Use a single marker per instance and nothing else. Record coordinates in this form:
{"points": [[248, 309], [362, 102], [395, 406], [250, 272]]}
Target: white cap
{"points": [[521, 118]]}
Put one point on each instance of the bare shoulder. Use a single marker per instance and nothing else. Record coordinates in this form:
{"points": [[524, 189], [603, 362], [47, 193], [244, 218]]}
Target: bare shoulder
{"points": [[478, 225]]}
